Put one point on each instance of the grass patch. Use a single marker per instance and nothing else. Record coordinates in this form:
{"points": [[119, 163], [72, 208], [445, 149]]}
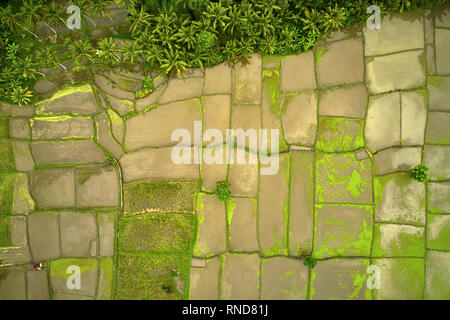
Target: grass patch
{"points": [[157, 232], [160, 196], [4, 127], [6, 156], [7, 181], [152, 276], [5, 239]]}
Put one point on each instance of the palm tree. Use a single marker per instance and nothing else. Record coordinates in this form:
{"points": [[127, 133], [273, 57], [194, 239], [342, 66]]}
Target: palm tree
{"points": [[131, 51], [334, 18], [138, 20], [247, 45], [267, 45], [165, 19], [265, 24], [217, 14], [198, 59], [268, 6], [27, 68], [48, 56], [204, 25], [287, 35], [107, 49], [154, 55], [237, 17], [126, 4], [146, 39], [187, 35], [14, 82], [173, 61], [100, 8], [82, 52], [168, 38], [31, 11], [11, 51], [6, 73], [21, 95], [231, 49], [11, 21], [312, 21], [54, 15]]}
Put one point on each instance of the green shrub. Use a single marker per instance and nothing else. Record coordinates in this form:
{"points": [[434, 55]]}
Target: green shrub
{"points": [[420, 173], [309, 262], [148, 84], [205, 41], [147, 88], [223, 191]]}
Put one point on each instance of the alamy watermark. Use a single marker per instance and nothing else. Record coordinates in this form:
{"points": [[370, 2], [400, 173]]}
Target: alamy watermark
{"points": [[74, 280], [74, 20], [229, 149], [374, 21], [374, 277]]}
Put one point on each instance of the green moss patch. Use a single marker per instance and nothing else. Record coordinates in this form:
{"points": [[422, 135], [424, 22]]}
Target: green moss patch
{"points": [[435, 81], [342, 178], [7, 182], [393, 240], [437, 275], [399, 199], [401, 279], [105, 286], [160, 196], [271, 83], [127, 83], [70, 90], [340, 279], [339, 134], [438, 232], [6, 156], [152, 276], [271, 62], [438, 199], [5, 239], [157, 232], [343, 231], [4, 127]]}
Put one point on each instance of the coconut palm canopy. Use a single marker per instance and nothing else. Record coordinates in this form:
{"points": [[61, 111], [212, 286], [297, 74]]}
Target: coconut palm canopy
{"points": [[169, 35]]}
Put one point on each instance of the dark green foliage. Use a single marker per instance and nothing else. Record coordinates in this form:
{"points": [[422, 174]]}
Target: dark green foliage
{"points": [[147, 88], [309, 262], [169, 35], [198, 33], [420, 173], [205, 41], [223, 191], [81, 52]]}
